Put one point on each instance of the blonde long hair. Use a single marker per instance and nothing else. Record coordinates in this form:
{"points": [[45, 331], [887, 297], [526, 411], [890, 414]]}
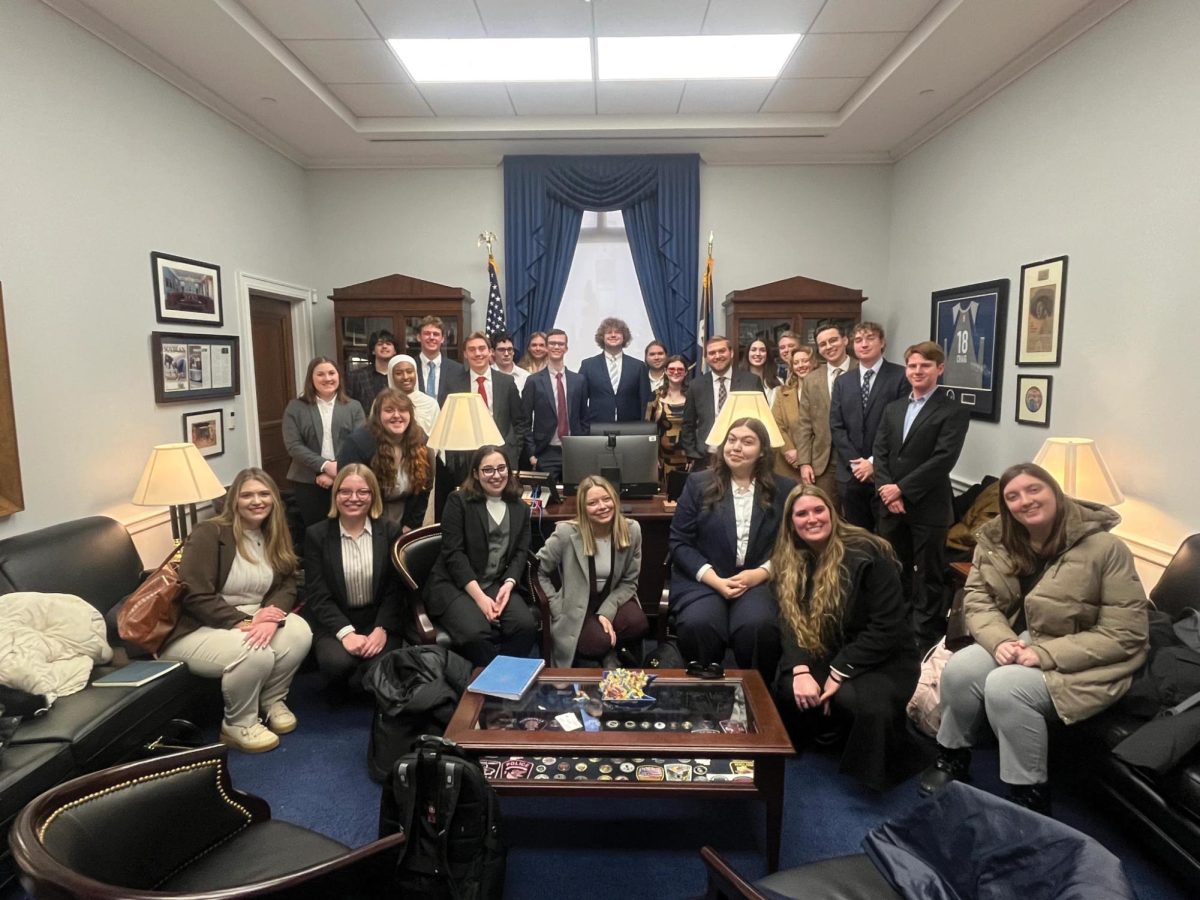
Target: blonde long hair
{"points": [[810, 603], [620, 525], [277, 541]]}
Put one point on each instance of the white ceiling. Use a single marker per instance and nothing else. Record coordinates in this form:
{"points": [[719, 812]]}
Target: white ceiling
{"points": [[870, 81]]}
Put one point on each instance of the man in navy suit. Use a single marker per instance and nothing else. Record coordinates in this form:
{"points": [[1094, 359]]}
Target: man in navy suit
{"points": [[855, 410], [556, 402], [919, 440], [435, 371], [618, 385], [706, 395]]}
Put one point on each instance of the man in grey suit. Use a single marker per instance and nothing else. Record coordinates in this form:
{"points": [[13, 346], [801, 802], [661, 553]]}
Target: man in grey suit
{"points": [[855, 410], [814, 442], [707, 394]]}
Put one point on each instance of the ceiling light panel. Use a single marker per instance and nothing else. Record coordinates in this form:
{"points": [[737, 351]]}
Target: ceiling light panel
{"points": [[694, 57], [495, 59]]}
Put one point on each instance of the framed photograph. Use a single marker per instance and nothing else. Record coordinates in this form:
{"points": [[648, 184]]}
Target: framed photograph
{"points": [[1040, 323], [194, 366], [205, 429], [968, 324], [12, 495], [1033, 400], [186, 290]]}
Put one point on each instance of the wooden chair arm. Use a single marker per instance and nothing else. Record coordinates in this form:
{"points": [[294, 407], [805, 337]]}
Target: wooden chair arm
{"points": [[723, 882]]}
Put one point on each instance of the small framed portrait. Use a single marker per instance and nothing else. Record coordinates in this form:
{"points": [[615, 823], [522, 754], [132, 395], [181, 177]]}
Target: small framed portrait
{"points": [[1040, 322], [1033, 400], [186, 290], [968, 324], [205, 429]]}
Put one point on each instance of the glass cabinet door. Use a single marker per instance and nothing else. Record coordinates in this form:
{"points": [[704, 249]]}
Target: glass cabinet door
{"points": [[356, 331]]}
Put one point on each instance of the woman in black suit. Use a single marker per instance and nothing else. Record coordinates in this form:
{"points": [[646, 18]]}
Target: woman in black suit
{"points": [[351, 590], [722, 534], [472, 591], [314, 426]]}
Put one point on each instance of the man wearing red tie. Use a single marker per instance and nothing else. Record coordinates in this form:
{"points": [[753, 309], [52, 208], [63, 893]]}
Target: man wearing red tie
{"points": [[499, 393], [556, 403]]}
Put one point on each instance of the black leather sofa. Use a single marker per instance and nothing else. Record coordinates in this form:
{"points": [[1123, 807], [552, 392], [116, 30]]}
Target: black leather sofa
{"points": [[1163, 809], [93, 558]]}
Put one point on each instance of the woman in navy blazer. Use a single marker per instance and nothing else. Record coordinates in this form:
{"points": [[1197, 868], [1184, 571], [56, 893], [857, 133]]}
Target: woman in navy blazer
{"points": [[313, 459], [720, 598], [352, 627]]}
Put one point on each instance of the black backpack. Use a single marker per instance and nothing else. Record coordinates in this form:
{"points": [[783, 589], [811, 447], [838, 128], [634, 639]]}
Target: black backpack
{"points": [[441, 800]]}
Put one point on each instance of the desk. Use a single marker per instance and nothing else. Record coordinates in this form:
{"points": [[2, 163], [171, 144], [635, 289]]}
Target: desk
{"points": [[655, 520]]}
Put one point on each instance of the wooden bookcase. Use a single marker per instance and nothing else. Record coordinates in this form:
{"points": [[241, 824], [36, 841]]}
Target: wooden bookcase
{"points": [[796, 304]]}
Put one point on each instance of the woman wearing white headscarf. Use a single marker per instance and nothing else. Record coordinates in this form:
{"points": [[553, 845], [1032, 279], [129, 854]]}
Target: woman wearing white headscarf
{"points": [[402, 375]]}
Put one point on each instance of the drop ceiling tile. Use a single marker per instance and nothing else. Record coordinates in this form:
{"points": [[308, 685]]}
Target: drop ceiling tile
{"points": [[638, 97], [468, 99], [872, 15], [841, 55], [387, 100], [810, 95], [349, 62], [311, 19], [424, 18], [761, 16], [628, 18], [535, 18], [569, 99], [744, 95]]}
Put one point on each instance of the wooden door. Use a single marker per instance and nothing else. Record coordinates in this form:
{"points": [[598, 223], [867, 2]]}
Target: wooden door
{"points": [[274, 378]]}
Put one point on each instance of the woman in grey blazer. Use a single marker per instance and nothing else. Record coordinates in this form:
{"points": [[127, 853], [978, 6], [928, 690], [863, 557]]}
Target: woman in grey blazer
{"points": [[597, 557], [314, 426]]}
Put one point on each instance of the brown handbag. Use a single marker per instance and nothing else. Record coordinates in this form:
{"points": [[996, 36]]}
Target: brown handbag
{"points": [[150, 613]]}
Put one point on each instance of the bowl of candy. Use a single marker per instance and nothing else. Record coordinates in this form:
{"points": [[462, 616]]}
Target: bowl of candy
{"points": [[625, 689]]}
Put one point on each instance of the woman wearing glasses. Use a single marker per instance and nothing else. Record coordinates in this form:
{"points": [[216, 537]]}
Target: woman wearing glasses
{"points": [[350, 589], [471, 594], [667, 410]]}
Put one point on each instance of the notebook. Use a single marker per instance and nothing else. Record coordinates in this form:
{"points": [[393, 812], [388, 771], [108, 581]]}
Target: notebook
{"points": [[137, 673], [507, 677]]}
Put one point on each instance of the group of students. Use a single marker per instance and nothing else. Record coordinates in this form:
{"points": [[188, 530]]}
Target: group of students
{"points": [[765, 567]]}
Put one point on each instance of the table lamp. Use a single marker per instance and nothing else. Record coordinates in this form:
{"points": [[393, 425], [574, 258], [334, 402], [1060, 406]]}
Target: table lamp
{"points": [[177, 476], [464, 423], [744, 405], [1080, 470]]}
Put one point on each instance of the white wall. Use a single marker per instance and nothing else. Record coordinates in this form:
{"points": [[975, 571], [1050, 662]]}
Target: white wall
{"points": [[101, 163], [1092, 155]]}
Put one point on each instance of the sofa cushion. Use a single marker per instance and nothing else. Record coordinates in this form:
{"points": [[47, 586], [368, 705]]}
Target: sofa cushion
{"points": [[25, 772], [840, 878]]}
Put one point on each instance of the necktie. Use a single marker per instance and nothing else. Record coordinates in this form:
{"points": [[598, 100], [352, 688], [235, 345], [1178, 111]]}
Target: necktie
{"points": [[614, 372], [722, 393], [431, 381], [483, 390], [866, 386], [563, 428]]}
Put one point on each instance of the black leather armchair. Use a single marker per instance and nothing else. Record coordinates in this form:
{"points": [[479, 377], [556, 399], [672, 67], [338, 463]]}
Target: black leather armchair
{"points": [[175, 827], [851, 877], [413, 555]]}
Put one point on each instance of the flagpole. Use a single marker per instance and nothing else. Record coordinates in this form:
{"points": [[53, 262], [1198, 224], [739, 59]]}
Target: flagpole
{"points": [[495, 318], [704, 320]]}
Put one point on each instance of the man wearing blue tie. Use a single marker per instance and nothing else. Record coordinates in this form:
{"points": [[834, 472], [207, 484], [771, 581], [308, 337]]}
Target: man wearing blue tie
{"points": [[435, 370], [618, 385]]}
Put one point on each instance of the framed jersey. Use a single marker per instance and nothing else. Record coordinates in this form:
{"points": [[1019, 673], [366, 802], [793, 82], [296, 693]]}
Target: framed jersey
{"points": [[968, 324]]}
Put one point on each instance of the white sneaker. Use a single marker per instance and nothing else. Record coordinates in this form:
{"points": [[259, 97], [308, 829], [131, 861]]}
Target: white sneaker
{"points": [[279, 718], [249, 738]]}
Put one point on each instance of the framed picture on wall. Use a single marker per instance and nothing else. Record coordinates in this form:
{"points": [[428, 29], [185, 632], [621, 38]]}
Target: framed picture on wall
{"points": [[12, 495], [968, 324], [194, 366], [205, 429], [1040, 321], [186, 290], [1033, 400]]}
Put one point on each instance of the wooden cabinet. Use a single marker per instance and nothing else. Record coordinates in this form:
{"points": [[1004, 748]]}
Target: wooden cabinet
{"points": [[397, 303], [795, 304]]}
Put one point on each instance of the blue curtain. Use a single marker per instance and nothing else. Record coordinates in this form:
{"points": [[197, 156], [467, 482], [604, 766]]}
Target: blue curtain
{"points": [[544, 200]]}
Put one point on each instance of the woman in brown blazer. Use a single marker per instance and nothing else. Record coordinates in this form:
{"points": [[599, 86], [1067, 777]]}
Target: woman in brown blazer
{"points": [[787, 411]]}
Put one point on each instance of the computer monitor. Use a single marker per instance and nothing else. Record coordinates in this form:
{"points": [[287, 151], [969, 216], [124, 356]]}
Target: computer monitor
{"points": [[629, 461], [623, 428]]}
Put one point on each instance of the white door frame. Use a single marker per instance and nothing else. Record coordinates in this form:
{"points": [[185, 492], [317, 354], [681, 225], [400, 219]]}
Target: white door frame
{"points": [[301, 300]]}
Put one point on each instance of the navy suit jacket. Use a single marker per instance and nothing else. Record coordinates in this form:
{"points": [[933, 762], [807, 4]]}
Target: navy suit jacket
{"points": [[327, 603], [447, 370], [629, 402], [921, 465], [540, 408], [853, 428], [710, 536]]}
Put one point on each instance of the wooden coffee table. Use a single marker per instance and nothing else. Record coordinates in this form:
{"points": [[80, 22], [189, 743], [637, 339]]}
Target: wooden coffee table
{"points": [[720, 738]]}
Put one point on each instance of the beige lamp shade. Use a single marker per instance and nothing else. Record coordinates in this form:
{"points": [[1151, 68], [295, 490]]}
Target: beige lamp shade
{"points": [[744, 405], [176, 474], [464, 423], [1080, 470]]}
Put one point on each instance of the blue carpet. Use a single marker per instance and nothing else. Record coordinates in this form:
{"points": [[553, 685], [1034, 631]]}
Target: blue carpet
{"points": [[570, 848]]}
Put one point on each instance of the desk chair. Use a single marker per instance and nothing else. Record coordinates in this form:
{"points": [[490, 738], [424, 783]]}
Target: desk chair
{"points": [[543, 606], [174, 827], [413, 555]]}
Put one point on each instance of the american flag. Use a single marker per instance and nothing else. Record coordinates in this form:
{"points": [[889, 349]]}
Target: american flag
{"points": [[495, 307], [705, 320]]}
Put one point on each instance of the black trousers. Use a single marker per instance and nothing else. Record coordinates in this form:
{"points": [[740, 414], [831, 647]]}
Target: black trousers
{"points": [[922, 553], [479, 640], [342, 668], [859, 503], [312, 501]]}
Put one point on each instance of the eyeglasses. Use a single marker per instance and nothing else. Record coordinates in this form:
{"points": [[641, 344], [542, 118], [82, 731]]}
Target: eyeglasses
{"points": [[347, 493], [504, 349], [493, 471], [556, 343], [676, 371]]}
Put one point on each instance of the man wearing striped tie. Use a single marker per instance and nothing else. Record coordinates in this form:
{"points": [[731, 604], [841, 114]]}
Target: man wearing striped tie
{"points": [[706, 395]]}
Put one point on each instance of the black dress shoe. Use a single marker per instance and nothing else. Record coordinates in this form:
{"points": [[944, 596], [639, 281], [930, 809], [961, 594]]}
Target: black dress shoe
{"points": [[951, 765], [1034, 797]]}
